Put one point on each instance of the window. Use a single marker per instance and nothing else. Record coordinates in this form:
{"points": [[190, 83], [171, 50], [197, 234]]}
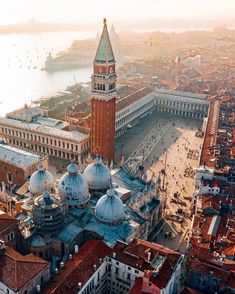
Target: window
{"points": [[9, 177], [128, 276], [129, 268], [117, 263], [136, 271], [116, 270]]}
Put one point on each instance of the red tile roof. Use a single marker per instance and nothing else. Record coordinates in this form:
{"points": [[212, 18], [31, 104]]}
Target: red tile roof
{"points": [[16, 270], [133, 97], [144, 286], [207, 268], [6, 220], [79, 269], [210, 140], [188, 290], [136, 255], [229, 251]]}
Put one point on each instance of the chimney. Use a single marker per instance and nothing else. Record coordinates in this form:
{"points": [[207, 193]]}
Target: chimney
{"points": [[95, 267], [76, 248], [38, 288], [79, 285], [149, 256], [2, 247], [114, 254], [70, 256], [61, 264], [100, 260], [56, 271]]}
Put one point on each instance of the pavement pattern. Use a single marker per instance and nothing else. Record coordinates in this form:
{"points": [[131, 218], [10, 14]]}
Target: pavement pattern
{"points": [[176, 155]]}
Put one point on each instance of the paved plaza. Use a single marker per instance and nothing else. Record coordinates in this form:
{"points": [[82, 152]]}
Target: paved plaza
{"points": [[176, 155]]}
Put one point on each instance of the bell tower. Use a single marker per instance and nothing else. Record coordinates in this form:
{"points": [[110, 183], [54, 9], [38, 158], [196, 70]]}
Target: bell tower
{"points": [[103, 99]]}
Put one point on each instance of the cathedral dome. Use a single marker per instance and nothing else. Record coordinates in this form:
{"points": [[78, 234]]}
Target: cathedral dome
{"points": [[73, 188], [110, 209], [40, 181], [98, 175]]}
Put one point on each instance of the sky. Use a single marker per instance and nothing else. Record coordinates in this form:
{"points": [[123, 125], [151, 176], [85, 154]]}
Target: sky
{"points": [[13, 11]]}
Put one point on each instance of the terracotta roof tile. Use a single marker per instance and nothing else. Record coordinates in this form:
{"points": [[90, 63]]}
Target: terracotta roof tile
{"points": [[144, 286], [79, 269], [16, 270], [133, 97], [6, 220]]}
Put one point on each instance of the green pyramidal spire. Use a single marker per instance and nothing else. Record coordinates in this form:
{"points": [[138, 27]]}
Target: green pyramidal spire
{"points": [[104, 52]]}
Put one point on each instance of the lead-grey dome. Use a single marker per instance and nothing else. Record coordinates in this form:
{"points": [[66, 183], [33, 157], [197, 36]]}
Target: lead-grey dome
{"points": [[110, 209], [98, 175], [73, 188], [40, 181]]}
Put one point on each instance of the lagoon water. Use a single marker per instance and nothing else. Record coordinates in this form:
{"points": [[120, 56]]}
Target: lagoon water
{"points": [[21, 59]]}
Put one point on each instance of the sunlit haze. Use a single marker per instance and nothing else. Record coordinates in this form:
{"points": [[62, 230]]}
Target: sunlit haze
{"points": [[14, 11]]}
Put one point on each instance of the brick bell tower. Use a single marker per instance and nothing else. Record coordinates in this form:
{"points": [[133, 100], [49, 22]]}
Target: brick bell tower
{"points": [[103, 99]]}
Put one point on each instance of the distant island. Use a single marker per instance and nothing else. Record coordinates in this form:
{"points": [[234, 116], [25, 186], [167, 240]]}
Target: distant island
{"points": [[34, 27]]}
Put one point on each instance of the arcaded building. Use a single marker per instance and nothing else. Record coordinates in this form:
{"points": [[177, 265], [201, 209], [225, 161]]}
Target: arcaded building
{"points": [[182, 104], [28, 128]]}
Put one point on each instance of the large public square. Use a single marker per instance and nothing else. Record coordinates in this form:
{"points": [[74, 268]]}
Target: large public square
{"points": [[174, 158]]}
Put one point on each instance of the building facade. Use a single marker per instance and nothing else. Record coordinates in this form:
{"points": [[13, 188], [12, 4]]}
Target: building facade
{"points": [[182, 104], [132, 108], [103, 100], [28, 129]]}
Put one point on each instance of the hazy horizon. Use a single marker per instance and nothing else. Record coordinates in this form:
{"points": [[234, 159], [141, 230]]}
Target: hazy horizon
{"points": [[15, 11]]}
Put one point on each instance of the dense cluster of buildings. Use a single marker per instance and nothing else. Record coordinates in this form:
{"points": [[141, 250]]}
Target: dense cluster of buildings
{"points": [[88, 232], [211, 260]]}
